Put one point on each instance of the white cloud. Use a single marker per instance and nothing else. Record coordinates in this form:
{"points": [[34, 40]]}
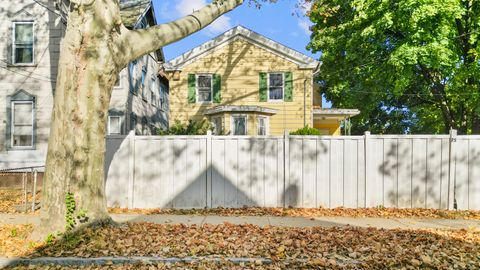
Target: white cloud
{"points": [[220, 25], [185, 7], [305, 26]]}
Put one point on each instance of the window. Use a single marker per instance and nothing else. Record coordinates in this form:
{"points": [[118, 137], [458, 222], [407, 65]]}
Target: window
{"points": [[114, 125], [153, 90], [217, 125], [204, 88], [262, 126], [144, 75], [145, 128], [132, 69], [239, 125], [275, 86], [22, 43], [22, 124]]}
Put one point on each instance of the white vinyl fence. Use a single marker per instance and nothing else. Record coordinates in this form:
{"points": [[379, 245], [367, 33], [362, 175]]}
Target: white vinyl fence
{"points": [[405, 171]]}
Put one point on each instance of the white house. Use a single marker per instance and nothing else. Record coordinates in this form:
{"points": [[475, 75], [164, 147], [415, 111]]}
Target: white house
{"points": [[30, 36]]}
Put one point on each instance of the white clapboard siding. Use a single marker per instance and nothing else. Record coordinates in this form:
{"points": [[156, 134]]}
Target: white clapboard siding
{"points": [[404, 171]]}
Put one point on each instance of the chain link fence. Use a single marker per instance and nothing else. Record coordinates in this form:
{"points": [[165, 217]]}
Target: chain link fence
{"points": [[20, 189]]}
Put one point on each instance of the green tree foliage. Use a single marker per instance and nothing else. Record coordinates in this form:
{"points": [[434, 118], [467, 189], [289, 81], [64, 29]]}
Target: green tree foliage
{"points": [[409, 66], [189, 128], [305, 131]]}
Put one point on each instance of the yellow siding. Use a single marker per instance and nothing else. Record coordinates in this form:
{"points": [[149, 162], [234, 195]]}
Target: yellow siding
{"points": [[333, 127], [239, 64]]}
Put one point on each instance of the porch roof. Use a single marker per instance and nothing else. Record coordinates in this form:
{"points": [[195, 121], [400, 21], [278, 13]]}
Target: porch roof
{"points": [[239, 108], [323, 113]]}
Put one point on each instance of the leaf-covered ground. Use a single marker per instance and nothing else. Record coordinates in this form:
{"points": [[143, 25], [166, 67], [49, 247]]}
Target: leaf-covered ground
{"points": [[9, 198], [349, 248], [311, 212]]}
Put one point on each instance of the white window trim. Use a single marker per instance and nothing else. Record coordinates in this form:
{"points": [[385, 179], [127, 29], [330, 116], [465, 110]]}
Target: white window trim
{"points": [[144, 83], [120, 122], [232, 123], [211, 88], [12, 125], [267, 125], [153, 94], [13, 42], [283, 87]]}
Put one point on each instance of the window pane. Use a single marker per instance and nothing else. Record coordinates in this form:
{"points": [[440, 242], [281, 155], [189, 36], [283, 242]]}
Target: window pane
{"points": [[204, 81], [115, 125], [276, 80], [239, 126], [24, 34], [204, 95], [261, 126], [22, 140], [22, 114], [276, 93], [24, 55]]}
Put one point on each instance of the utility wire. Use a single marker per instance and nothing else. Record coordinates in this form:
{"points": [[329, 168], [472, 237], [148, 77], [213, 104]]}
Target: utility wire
{"points": [[419, 94], [37, 76], [46, 7], [27, 75]]}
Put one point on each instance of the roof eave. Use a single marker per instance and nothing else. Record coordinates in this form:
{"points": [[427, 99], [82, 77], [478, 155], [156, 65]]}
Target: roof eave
{"points": [[303, 61]]}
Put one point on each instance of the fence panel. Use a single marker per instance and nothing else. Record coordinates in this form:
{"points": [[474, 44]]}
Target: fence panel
{"points": [[420, 171], [467, 172], [117, 170]]}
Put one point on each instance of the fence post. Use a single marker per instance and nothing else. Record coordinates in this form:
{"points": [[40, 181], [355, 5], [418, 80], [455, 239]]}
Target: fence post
{"points": [[34, 191], [131, 166], [286, 167], [451, 199], [366, 173], [209, 169]]}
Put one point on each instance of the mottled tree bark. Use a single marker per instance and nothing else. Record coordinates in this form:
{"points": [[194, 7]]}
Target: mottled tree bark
{"points": [[95, 48]]}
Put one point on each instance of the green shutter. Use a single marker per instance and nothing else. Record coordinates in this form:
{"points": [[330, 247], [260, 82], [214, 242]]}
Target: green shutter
{"points": [[263, 86], [288, 96], [191, 88], [217, 86]]}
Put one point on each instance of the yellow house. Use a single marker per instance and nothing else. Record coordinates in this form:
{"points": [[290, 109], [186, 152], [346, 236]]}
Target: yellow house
{"points": [[247, 84]]}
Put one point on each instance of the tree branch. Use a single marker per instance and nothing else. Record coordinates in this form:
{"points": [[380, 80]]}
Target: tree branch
{"points": [[143, 41]]}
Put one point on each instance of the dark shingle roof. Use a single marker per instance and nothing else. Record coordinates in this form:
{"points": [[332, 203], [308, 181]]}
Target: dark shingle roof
{"points": [[132, 10]]}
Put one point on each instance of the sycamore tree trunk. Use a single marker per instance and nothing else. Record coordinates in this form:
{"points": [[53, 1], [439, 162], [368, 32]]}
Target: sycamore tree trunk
{"points": [[95, 48]]}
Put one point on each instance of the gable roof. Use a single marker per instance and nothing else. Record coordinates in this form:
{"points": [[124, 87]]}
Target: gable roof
{"points": [[131, 11], [240, 32]]}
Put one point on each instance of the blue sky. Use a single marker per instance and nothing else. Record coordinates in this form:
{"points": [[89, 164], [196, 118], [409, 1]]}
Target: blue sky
{"points": [[274, 21], [282, 21]]}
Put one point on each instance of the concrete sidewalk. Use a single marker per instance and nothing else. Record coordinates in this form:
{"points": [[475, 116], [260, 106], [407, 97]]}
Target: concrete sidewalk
{"points": [[327, 222]]}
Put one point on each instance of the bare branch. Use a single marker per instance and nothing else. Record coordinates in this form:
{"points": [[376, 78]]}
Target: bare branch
{"points": [[143, 41]]}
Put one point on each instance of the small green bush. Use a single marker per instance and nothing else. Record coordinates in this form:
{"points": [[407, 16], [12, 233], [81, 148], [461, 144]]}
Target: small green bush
{"points": [[305, 131], [190, 128]]}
